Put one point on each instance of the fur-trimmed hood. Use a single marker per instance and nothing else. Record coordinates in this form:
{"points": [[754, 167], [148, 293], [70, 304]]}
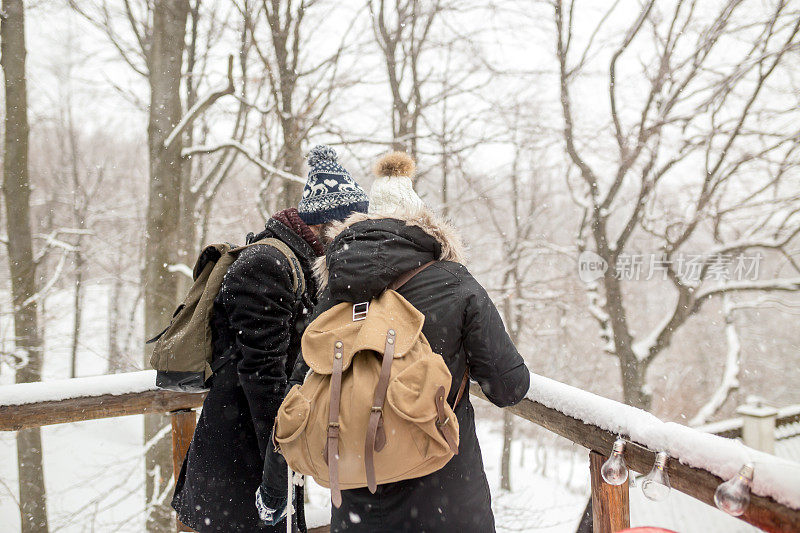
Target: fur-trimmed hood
{"points": [[369, 251]]}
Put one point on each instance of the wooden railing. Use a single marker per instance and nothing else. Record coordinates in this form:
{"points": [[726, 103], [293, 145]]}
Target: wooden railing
{"points": [[19, 410]]}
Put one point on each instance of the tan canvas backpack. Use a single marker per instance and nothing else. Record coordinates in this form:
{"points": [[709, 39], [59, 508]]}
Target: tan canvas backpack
{"points": [[183, 356], [374, 408]]}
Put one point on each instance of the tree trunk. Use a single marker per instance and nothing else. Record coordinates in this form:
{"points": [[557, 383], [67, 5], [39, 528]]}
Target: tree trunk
{"points": [[634, 381], [115, 363], [188, 233], [633, 370], [293, 162], [16, 192], [80, 204], [78, 310], [165, 61], [512, 324], [508, 437], [188, 246]]}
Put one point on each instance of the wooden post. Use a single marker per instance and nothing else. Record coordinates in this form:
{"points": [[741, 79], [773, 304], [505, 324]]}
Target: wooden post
{"points": [[610, 504], [183, 424]]}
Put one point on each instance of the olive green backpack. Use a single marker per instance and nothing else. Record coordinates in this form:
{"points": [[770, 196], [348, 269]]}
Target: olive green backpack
{"points": [[183, 354]]}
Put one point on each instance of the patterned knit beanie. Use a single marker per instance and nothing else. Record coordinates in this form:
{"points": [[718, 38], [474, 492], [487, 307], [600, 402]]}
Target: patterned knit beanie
{"points": [[330, 193], [393, 194]]}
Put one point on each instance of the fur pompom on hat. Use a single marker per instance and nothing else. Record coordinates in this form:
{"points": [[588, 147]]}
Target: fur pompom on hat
{"points": [[392, 193], [395, 164]]}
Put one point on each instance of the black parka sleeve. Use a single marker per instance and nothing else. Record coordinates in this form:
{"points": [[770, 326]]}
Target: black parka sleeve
{"points": [[273, 482], [492, 358], [259, 301]]}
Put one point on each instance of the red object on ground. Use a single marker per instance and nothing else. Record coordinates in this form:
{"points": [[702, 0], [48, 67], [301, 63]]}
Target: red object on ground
{"points": [[647, 530]]}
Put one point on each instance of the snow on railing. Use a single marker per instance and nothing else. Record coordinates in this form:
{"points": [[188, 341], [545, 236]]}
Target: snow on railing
{"points": [[62, 389], [732, 427], [776, 478], [26, 405], [698, 462]]}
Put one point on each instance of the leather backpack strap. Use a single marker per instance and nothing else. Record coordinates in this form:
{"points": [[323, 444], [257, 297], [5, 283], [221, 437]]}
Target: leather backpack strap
{"points": [[462, 388], [332, 443], [443, 422], [405, 277], [376, 435]]}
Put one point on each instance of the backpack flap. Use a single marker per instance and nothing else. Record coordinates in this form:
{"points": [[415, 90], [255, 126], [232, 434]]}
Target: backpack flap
{"points": [[388, 311]]}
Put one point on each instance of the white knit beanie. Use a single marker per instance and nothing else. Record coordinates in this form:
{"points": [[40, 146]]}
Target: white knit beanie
{"points": [[392, 193]]}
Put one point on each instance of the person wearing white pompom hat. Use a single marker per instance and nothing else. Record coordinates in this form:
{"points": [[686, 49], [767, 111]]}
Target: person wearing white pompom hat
{"points": [[393, 193]]}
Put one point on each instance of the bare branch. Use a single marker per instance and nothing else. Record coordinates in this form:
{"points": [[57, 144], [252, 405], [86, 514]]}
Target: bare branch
{"points": [[730, 375], [612, 76], [249, 154], [200, 107], [569, 129], [786, 284]]}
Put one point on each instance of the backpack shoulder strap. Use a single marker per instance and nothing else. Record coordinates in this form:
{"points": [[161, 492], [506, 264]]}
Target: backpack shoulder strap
{"points": [[405, 277], [298, 279]]}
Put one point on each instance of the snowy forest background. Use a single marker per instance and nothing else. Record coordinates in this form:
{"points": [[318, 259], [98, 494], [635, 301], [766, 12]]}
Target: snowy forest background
{"points": [[543, 129]]}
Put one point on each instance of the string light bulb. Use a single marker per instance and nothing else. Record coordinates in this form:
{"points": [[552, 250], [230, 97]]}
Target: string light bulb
{"points": [[733, 496], [614, 470], [656, 485]]}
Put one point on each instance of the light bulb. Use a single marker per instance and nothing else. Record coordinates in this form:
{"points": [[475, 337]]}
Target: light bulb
{"points": [[733, 496], [614, 470], [656, 484]]}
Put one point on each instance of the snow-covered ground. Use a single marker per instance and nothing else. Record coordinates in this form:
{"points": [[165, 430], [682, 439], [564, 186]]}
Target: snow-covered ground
{"points": [[94, 471], [94, 474]]}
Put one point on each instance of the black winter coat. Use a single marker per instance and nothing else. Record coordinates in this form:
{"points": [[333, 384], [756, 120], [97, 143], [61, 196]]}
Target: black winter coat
{"points": [[463, 325], [259, 321]]}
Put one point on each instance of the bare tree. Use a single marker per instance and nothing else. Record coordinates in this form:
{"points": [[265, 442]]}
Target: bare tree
{"points": [[301, 85], [698, 125], [402, 30], [83, 181], [529, 285], [182, 186], [460, 108], [730, 374], [21, 261], [157, 53]]}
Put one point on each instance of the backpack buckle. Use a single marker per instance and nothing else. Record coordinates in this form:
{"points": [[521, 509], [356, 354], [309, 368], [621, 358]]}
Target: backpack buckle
{"points": [[360, 311]]}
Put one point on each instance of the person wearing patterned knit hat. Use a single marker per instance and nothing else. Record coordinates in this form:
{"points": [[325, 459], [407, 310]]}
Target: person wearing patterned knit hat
{"points": [[256, 327], [330, 192]]}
